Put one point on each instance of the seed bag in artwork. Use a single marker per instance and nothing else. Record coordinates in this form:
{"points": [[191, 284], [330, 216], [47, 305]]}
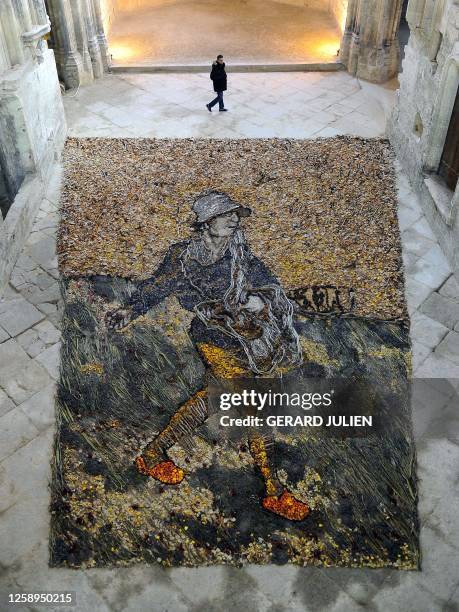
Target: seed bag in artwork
{"points": [[190, 266]]}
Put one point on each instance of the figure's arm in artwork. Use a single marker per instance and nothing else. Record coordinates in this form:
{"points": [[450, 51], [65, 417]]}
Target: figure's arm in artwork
{"points": [[158, 287], [149, 292], [260, 274]]}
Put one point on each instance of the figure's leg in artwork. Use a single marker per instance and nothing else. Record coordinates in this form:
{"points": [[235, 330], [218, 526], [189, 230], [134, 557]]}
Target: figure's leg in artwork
{"points": [[191, 415], [260, 451], [154, 460], [277, 500]]}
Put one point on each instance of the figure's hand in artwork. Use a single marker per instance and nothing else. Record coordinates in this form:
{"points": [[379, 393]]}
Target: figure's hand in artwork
{"points": [[254, 304], [211, 311], [207, 312], [117, 319]]}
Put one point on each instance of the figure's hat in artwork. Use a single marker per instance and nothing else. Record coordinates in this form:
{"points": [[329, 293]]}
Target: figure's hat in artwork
{"points": [[210, 204]]}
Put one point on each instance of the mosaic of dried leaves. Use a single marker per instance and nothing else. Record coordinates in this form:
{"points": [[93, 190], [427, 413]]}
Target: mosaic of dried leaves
{"points": [[325, 210], [324, 214]]}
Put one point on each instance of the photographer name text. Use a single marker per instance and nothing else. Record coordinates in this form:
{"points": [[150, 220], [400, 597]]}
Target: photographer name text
{"points": [[287, 420], [253, 400]]}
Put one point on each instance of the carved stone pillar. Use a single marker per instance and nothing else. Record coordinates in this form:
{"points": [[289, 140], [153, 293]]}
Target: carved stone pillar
{"points": [[370, 48], [32, 122], [4, 55], [12, 32], [24, 16], [34, 41], [79, 23], [101, 37], [39, 10], [69, 63], [93, 43], [350, 31]]}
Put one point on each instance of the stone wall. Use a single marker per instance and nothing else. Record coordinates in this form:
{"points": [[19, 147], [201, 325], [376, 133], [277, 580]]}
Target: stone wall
{"points": [[32, 123], [419, 123], [338, 8], [315, 5], [111, 7]]}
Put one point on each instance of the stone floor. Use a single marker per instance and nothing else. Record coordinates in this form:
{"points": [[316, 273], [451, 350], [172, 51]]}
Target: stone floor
{"points": [[245, 31], [289, 105]]}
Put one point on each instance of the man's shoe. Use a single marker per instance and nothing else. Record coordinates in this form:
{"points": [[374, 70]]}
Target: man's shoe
{"points": [[223, 110], [287, 506], [208, 108]]}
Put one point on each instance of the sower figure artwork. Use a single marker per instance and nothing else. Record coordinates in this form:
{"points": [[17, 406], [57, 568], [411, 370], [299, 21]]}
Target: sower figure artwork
{"points": [[241, 312], [196, 267]]}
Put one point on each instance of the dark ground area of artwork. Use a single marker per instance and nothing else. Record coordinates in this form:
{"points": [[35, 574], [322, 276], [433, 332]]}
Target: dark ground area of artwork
{"points": [[118, 390]]}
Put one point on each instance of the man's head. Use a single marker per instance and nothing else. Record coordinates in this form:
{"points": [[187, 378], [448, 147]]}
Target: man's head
{"points": [[220, 59], [218, 212]]}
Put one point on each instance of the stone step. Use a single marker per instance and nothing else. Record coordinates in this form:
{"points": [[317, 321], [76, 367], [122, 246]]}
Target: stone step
{"points": [[191, 68]]}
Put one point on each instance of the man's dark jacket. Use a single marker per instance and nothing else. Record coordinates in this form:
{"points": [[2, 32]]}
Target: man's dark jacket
{"points": [[218, 76]]}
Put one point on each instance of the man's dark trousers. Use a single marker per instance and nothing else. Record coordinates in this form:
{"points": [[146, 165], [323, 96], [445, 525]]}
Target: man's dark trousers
{"points": [[218, 99]]}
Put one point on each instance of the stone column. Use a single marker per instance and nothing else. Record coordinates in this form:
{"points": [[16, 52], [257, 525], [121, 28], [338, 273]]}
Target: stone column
{"points": [[70, 65], [101, 37], [4, 55], [22, 10], [93, 43], [370, 48], [12, 32], [39, 8], [351, 32], [79, 23]]}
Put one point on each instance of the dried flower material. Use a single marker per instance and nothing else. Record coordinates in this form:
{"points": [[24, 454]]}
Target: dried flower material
{"points": [[324, 211], [307, 284]]}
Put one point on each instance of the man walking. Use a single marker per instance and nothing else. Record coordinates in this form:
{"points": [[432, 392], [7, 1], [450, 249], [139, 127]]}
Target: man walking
{"points": [[218, 76]]}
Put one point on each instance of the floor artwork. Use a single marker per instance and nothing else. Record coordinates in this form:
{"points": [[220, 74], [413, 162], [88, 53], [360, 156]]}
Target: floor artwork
{"points": [[188, 263]]}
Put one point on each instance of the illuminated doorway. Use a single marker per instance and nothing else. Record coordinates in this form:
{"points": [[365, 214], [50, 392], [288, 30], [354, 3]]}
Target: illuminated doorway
{"points": [[192, 32]]}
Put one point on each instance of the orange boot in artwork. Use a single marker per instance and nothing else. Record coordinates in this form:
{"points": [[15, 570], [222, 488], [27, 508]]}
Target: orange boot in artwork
{"points": [[277, 500], [164, 471], [287, 506], [154, 461]]}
